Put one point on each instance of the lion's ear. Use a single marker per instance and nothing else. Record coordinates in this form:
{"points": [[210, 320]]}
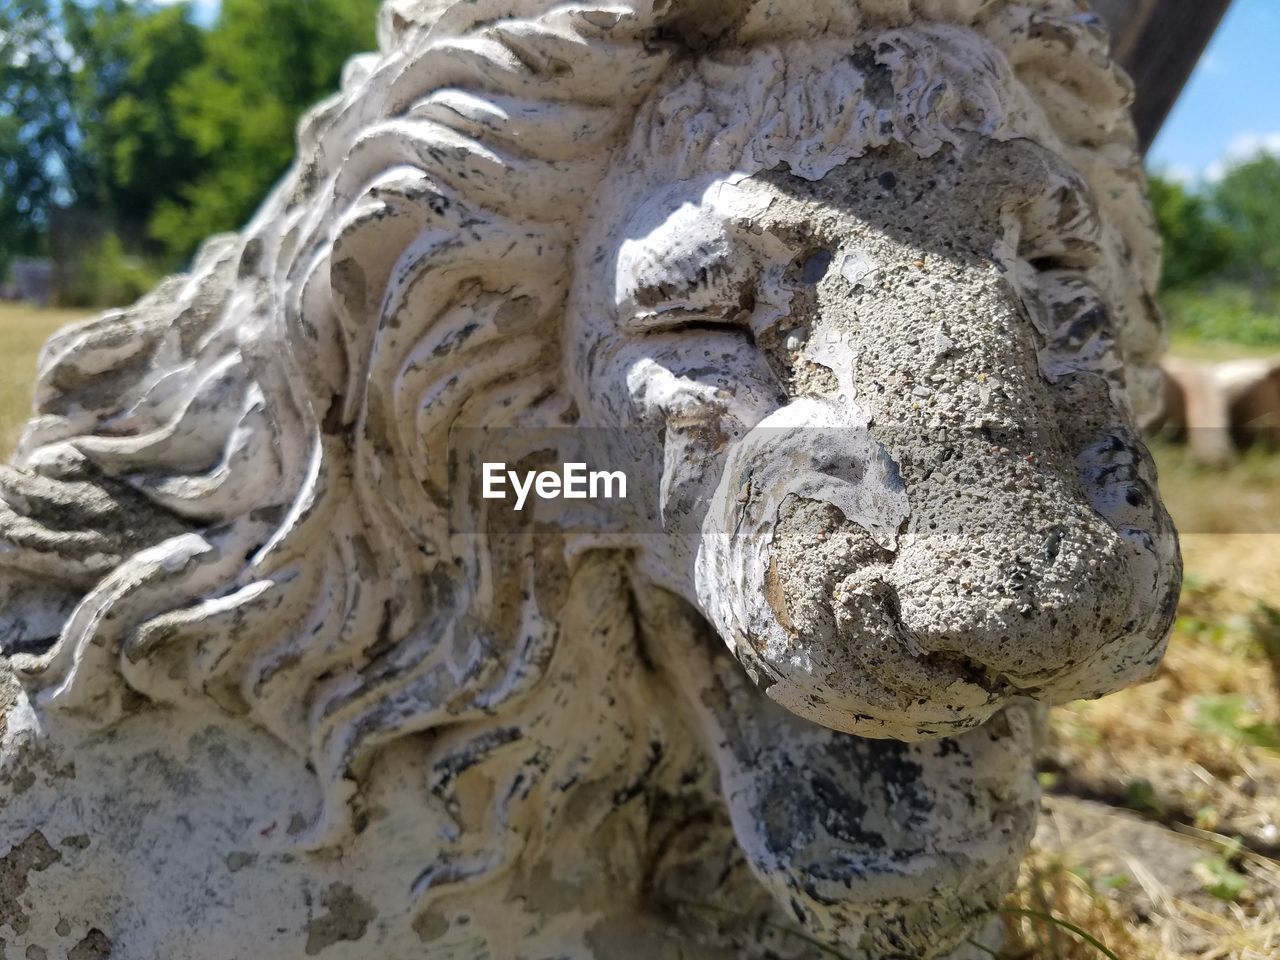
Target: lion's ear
{"points": [[396, 18], [698, 24]]}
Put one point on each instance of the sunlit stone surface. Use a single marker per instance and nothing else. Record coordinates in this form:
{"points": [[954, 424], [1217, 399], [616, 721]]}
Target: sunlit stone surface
{"points": [[866, 283]]}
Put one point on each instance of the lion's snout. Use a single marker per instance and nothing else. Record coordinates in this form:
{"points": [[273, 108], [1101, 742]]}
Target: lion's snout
{"points": [[887, 602], [1028, 603]]}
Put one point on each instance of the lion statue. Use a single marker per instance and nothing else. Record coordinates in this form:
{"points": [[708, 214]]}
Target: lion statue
{"points": [[860, 290]]}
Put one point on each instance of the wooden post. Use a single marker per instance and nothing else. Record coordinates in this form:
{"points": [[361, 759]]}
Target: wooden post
{"points": [[1159, 42]]}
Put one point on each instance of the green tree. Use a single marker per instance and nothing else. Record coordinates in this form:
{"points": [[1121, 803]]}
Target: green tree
{"points": [[41, 164], [267, 61], [86, 118], [134, 55], [1248, 202], [1222, 254], [1197, 246]]}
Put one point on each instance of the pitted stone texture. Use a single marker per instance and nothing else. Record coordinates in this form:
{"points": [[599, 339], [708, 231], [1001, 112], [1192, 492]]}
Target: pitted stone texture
{"points": [[866, 280], [986, 552]]}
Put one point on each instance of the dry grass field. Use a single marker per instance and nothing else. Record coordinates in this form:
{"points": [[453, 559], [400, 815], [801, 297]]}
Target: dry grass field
{"points": [[23, 332], [1161, 830], [1160, 838]]}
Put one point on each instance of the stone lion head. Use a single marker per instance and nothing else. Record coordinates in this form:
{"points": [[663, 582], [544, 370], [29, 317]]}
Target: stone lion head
{"points": [[866, 283]]}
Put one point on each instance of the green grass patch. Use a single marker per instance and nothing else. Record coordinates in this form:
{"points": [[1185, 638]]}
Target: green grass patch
{"points": [[1231, 716], [1226, 314]]}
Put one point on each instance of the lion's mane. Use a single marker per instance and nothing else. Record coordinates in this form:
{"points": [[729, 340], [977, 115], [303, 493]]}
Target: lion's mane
{"points": [[236, 489]]}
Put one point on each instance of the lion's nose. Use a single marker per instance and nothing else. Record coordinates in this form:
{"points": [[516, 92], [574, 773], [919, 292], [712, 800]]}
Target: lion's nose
{"points": [[1027, 588]]}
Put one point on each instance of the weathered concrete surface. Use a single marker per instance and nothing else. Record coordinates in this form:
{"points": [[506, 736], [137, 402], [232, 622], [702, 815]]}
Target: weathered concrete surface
{"points": [[866, 284]]}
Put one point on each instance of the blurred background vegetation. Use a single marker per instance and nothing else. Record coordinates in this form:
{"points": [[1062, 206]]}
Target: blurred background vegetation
{"points": [[129, 132], [1222, 255]]}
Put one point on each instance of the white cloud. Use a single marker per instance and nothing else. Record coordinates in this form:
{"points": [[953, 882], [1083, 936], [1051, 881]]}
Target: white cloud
{"points": [[1182, 174], [1242, 149], [1249, 145]]}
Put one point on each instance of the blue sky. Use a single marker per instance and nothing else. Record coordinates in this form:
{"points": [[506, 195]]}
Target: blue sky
{"points": [[1231, 106], [206, 11], [1229, 109]]}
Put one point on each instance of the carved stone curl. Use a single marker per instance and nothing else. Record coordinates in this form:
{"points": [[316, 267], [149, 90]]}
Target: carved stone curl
{"points": [[866, 281]]}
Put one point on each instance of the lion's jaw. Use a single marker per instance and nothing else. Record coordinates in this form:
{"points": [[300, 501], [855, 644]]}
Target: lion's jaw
{"points": [[925, 496]]}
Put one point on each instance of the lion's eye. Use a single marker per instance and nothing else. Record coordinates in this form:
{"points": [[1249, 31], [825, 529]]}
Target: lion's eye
{"points": [[693, 269], [680, 316], [716, 294]]}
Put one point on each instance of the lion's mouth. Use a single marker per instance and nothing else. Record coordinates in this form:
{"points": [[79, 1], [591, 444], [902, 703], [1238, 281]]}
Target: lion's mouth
{"points": [[942, 665]]}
